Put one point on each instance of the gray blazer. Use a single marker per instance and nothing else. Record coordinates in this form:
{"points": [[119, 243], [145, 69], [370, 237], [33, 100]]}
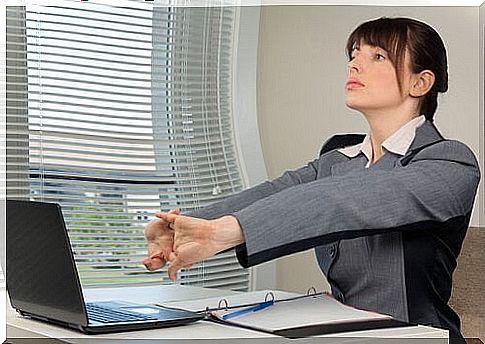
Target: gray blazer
{"points": [[386, 237]]}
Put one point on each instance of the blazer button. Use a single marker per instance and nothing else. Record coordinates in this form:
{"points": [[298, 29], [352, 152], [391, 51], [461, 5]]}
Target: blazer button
{"points": [[340, 297], [332, 251]]}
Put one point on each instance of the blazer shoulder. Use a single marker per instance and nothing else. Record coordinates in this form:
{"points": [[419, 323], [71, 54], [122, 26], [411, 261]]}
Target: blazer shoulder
{"points": [[327, 160], [332, 157], [452, 150]]}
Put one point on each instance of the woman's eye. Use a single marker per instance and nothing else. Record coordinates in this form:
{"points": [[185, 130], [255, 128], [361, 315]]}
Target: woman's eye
{"points": [[380, 57], [352, 54]]}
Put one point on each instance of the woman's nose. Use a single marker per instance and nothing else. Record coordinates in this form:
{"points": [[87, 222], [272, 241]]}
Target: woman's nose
{"points": [[354, 65]]}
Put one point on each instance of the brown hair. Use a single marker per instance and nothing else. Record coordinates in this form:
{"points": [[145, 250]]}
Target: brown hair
{"points": [[424, 45]]}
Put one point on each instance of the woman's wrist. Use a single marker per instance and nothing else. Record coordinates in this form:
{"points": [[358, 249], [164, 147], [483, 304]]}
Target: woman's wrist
{"points": [[227, 232]]}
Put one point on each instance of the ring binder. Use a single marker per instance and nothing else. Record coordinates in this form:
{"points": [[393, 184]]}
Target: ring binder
{"points": [[244, 311], [311, 291], [266, 298], [291, 316], [223, 301], [223, 304]]}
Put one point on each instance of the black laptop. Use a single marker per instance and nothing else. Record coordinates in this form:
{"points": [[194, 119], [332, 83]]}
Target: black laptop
{"points": [[43, 282]]}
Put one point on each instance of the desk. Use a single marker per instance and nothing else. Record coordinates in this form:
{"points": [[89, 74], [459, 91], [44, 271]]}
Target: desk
{"points": [[19, 327]]}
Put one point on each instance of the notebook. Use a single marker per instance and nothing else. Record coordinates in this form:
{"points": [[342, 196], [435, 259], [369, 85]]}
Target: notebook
{"points": [[288, 314], [43, 281]]}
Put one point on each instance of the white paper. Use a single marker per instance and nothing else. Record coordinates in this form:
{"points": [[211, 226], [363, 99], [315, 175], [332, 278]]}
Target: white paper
{"points": [[314, 310]]}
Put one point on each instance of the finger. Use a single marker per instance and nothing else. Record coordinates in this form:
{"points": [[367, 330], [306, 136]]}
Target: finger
{"points": [[169, 217], [175, 211], [172, 257], [151, 229], [148, 264], [167, 251], [154, 262], [154, 249], [163, 215], [166, 216], [177, 240], [157, 261], [160, 214], [175, 266]]}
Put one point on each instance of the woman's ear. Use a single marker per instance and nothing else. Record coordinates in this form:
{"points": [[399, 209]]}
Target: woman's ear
{"points": [[422, 83]]}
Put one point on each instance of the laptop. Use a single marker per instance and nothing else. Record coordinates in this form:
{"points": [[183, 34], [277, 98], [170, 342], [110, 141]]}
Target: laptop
{"points": [[43, 281]]}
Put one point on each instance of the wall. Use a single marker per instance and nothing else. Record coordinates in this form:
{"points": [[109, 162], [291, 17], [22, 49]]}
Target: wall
{"points": [[301, 73], [481, 59]]}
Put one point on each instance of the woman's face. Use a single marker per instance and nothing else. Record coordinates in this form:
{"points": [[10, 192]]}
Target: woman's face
{"points": [[372, 83]]}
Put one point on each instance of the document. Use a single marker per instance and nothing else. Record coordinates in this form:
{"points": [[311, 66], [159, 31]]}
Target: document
{"points": [[308, 311], [288, 314]]}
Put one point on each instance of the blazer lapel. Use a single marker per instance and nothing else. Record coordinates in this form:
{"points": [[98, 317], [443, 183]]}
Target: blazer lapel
{"points": [[426, 135]]}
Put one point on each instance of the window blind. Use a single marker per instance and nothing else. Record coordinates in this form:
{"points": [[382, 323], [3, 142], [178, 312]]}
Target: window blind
{"points": [[116, 112]]}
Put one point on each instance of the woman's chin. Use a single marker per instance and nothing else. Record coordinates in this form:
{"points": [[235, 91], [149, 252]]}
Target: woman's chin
{"points": [[353, 105]]}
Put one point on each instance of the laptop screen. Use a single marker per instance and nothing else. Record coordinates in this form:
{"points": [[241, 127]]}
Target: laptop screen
{"points": [[42, 278]]}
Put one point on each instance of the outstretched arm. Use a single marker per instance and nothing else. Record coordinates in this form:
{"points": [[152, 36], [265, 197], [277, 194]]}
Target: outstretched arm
{"points": [[438, 185], [247, 197]]}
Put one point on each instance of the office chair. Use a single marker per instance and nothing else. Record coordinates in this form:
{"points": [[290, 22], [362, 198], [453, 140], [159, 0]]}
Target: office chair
{"points": [[467, 298], [341, 141]]}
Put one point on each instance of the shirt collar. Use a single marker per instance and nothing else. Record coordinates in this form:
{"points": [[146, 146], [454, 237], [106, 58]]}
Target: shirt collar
{"points": [[397, 143]]}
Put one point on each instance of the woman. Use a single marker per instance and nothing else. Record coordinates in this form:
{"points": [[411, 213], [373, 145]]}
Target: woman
{"points": [[387, 217]]}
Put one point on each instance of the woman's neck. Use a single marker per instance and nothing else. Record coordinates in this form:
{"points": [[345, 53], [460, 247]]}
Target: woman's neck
{"points": [[380, 128]]}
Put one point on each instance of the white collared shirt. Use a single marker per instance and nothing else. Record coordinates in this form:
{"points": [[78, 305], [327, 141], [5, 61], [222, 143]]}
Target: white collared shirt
{"points": [[397, 143]]}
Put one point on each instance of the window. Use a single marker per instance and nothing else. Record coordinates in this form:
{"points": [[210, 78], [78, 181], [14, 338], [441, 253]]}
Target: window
{"points": [[116, 112]]}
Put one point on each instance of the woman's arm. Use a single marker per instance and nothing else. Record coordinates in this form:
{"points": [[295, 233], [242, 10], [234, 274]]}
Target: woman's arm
{"points": [[438, 184], [247, 197], [160, 238]]}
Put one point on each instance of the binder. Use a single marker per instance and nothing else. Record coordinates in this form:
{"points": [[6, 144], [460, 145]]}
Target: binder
{"points": [[289, 315]]}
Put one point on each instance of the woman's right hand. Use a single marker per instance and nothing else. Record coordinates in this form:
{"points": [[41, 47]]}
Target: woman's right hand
{"points": [[159, 237], [198, 239]]}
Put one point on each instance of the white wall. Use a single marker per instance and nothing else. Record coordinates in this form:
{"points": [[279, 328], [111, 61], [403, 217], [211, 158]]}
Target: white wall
{"points": [[301, 73]]}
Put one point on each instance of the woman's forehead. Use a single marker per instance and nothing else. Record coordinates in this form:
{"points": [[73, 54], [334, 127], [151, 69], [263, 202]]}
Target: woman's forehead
{"points": [[361, 43], [383, 39]]}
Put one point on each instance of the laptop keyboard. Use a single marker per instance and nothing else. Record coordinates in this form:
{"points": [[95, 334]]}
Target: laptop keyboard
{"points": [[108, 315]]}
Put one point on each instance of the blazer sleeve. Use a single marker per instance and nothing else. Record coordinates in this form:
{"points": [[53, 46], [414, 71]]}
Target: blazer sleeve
{"points": [[437, 185], [247, 197]]}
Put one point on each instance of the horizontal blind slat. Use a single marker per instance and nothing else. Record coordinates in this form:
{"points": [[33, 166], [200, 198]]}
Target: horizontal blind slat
{"points": [[116, 129]]}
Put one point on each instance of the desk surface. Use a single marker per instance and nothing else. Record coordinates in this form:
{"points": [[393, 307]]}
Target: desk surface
{"points": [[18, 326]]}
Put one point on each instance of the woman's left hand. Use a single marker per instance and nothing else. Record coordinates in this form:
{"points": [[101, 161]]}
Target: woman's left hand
{"points": [[197, 239]]}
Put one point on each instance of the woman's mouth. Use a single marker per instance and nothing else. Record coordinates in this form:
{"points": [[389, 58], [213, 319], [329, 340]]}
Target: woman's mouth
{"points": [[352, 84]]}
